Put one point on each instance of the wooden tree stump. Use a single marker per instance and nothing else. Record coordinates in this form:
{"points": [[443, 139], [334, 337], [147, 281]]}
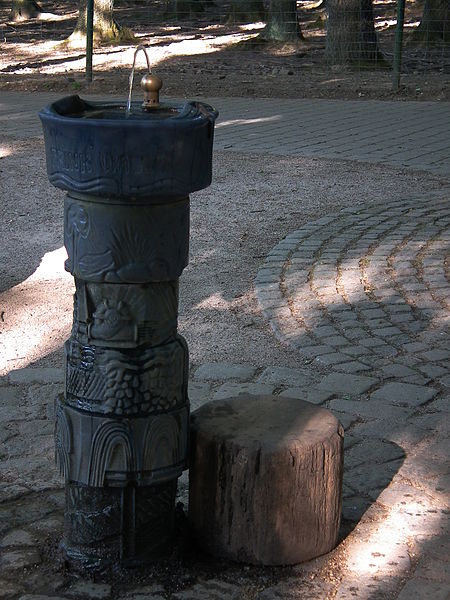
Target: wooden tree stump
{"points": [[265, 479]]}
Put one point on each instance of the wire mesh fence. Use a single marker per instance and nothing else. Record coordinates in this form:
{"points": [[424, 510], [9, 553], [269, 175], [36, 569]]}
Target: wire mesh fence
{"points": [[364, 36]]}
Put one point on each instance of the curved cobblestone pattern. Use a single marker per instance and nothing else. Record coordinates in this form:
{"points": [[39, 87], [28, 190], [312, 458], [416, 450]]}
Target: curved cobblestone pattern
{"points": [[364, 288]]}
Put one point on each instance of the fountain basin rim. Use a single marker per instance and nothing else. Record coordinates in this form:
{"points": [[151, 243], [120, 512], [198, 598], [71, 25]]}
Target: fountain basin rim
{"points": [[71, 109]]}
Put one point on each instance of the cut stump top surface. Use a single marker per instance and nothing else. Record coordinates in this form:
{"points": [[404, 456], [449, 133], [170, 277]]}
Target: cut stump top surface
{"points": [[279, 421]]}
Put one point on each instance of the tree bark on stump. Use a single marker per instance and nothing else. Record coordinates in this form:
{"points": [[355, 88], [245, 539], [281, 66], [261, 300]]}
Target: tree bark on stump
{"points": [[265, 479]]}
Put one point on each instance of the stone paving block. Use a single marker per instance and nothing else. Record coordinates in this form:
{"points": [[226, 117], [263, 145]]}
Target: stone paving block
{"points": [[371, 479], [146, 596], [436, 355], [310, 395], [147, 592], [41, 375], [353, 366], [445, 381], [278, 313], [403, 394], [371, 342], [212, 589], [441, 404], [424, 589], [41, 597], [17, 537], [294, 589], [416, 379], [285, 376], [397, 370], [432, 371], [373, 313], [354, 506], [89, 589], [431, 473], [19, 559], [369, 409], [10, 589], [356, 333], [414, 327], [333, 358], [409, 360], [387, 332], [368, 587], [434, 569], [51, 524], [269, 301], [356, 351], [325, 331], [347, 384], [397, 308], [230, 389], [199, 392], [222, 371], [402, 495], [313, 351], [370, 452], [347, 420], [386, 350], [335, 341], [377, 323], [402, 318], [438, 449], [11, 406]]}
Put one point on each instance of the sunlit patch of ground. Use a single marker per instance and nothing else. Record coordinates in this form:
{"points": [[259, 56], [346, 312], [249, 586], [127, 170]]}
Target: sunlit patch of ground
{"points": [[27, 331], [40, 57]]}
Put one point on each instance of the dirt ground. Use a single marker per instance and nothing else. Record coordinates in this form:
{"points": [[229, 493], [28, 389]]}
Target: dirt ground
{"points": [[207, 56]]}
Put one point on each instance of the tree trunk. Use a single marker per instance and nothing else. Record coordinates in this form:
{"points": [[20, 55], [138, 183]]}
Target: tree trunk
{"points": [[282, 23], [184, 8], [351, 36], [22, 10], [435, 24], [246, 11], [105, 27]]}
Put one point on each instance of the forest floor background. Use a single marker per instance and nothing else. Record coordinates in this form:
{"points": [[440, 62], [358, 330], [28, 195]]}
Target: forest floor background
{"points": [[205, 55]]}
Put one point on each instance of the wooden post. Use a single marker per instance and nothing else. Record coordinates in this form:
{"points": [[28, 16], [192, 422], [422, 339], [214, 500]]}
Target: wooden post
{"points": [[265, 479]]}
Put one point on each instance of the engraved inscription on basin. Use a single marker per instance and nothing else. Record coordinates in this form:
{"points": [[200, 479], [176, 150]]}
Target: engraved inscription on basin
{"points": [[95, 148]]}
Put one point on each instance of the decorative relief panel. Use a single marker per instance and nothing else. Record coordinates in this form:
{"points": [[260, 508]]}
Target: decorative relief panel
{"points": [[103, 451], [126, 243], [125, 316], [141, 381]]}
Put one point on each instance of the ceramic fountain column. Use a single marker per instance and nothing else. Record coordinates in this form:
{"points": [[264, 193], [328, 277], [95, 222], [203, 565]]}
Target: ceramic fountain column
{"points": [[122, 424]]}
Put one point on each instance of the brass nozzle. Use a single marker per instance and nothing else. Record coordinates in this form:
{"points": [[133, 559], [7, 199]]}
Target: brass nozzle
{"points": [[151, 84]]}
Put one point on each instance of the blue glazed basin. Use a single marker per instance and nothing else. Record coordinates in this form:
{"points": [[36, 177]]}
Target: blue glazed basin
{"points": [[95, 148]]}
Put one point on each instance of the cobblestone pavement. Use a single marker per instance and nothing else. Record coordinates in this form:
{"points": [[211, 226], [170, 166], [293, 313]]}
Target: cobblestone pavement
{"points": [[362, 295], [395, 510]]}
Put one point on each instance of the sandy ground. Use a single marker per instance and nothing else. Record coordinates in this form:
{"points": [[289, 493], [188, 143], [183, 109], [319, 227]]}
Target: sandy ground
{"points": [[254, 202]]}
